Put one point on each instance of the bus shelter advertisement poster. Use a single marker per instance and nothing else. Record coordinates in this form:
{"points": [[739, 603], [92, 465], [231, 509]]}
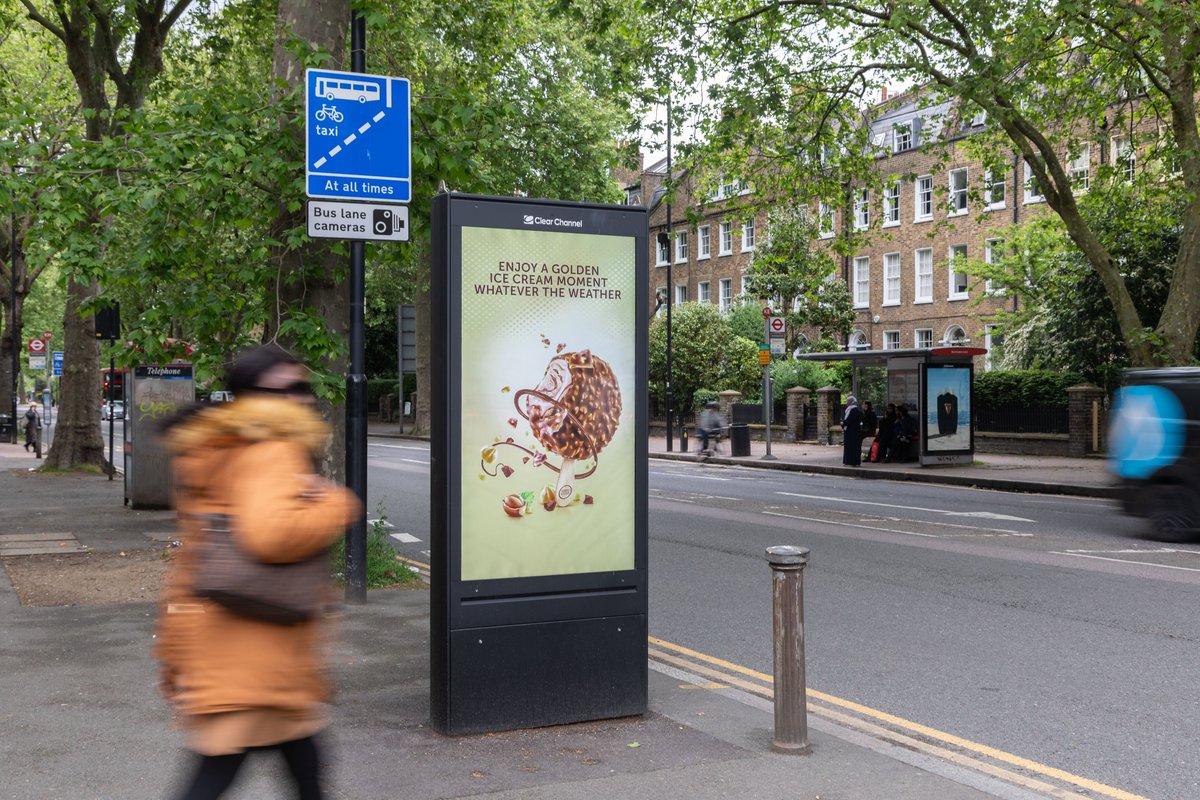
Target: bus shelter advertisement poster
{"points": [[947, 409], [548, 400]]}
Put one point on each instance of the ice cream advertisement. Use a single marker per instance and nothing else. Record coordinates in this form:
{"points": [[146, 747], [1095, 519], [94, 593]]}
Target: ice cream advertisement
{"points": [[548, 322]]}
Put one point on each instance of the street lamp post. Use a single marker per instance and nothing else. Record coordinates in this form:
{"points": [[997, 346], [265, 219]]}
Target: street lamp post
{"points": [[12, 311], [670, 292]]}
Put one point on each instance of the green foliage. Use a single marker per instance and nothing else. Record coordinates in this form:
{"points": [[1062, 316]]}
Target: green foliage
{"points": [[706, 354], [786, 374], [384, 569], [1024, 387], [790, 266], [746, 320], [702, 397]]}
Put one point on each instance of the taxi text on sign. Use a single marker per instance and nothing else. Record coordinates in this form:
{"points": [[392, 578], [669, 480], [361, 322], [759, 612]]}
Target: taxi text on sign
{"points": [[358, 141]]}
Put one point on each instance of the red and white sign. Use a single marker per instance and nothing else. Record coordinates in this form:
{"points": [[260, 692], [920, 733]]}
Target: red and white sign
{"points": [[37, 346], [767, 312], [47, 335], [776, 326]]}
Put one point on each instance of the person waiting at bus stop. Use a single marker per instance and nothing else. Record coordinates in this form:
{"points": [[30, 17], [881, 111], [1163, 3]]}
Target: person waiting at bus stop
{"points": [[711, 424], [33, 430]]}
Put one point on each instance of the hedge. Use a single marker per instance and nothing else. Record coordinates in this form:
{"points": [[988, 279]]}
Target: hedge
{"points": [[1024, 387]]}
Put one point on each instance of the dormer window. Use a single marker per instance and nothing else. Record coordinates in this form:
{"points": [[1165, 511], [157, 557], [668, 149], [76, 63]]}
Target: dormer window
{"points": [[902, 137]]}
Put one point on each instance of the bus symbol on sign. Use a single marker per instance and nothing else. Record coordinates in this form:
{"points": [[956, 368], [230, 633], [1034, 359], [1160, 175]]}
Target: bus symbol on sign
{"points": [[777, 326]]}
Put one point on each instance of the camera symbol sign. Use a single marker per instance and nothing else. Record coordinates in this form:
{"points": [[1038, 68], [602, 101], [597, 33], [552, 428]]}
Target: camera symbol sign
{"points": [[364, 221]]}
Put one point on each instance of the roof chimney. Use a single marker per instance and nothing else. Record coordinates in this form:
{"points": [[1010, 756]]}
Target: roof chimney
{"points": [[883, 95]]}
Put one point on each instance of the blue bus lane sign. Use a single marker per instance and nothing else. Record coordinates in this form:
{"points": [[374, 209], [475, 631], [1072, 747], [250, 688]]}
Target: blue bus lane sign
{"points": [[358, 141]]}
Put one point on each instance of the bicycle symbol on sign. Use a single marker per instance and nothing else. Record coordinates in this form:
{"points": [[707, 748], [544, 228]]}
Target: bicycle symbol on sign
{"points": [[329, 112]]}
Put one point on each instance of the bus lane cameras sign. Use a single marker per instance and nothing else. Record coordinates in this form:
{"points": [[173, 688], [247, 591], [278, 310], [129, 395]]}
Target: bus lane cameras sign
{"points": [[358, 140], [367, 221]]}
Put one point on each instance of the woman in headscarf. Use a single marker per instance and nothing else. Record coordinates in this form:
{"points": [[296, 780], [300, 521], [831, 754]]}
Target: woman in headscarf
{"points": [[238, 683], [852, 421]]}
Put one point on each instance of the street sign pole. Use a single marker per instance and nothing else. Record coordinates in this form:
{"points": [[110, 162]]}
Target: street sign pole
{"points": [[768, 401], [356, 380]]}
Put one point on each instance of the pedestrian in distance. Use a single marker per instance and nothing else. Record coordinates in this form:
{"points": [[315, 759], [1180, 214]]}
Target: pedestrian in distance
{"points": [[904, 436], [240, 684], [852, 421], [885, 435], [710, 425], [33, 430], [870, 419]]}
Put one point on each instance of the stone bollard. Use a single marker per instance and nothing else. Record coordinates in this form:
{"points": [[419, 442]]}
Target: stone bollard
{"points": [[725, 401], [797, 401], [827, 400], [1080, 401], [791, 696]]}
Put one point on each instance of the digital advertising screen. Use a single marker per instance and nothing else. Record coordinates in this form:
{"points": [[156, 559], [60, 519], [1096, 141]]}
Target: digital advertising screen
{"points": [[549, 389], [947, 408]]}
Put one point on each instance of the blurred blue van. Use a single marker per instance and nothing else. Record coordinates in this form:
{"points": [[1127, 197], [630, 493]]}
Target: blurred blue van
{"points": [[1154, 449]]}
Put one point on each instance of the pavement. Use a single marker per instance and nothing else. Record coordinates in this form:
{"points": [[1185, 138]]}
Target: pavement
{"points": [[82, 718]]}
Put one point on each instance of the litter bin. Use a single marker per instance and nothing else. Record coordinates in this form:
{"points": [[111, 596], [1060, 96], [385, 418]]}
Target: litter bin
{"points": [[739, 439], [6, 428]]}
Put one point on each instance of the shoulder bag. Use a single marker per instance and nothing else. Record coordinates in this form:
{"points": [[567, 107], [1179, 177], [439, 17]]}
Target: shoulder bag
{"points": [[285, 594]]}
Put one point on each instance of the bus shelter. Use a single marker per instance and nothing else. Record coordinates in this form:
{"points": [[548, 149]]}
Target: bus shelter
{"points": [[935, 383]]}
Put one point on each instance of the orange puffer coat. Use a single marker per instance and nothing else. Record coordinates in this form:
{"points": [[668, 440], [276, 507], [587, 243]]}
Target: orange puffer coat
{"points": [[253, 460]]}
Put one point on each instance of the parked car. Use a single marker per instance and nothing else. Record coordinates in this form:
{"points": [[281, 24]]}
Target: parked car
{"points": [[1154, 449], [116, 412]]}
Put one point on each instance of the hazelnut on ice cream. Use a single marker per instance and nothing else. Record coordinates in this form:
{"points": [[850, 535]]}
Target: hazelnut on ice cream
{"points": [[584, 406]]}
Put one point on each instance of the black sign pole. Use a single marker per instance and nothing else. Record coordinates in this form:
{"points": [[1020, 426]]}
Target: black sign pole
{"points": [[12, 328], [112, 377], [356, 381]]}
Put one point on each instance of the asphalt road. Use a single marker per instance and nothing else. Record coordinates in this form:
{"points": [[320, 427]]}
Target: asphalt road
{"points": [[1042, 626]]}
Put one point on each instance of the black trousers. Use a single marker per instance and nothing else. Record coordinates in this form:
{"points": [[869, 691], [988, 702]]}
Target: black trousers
{"points": [[214, 774]]}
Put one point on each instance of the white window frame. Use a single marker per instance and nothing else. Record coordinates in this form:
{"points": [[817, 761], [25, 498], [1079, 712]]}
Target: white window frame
{"points": [[1079, 169], [862, 282], [725, 234], [725, 294], [662, 251], [958, 194], [826, 221], [862, 209], [952, 290], [989, 343], [703, 242], [858, 341], [891, 204], [704, 292], [680, 293], [902, 136], [991, 176], [891, 279], [928, 337], [745, 283], [919, 278], [952, 342], [748, 236], [990, 246], [681, 247], [1030, 196], [891, 340], [1129, 168], [923, 198]]}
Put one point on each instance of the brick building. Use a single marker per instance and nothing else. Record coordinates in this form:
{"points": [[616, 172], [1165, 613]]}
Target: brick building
{"points": [[933, 210]]}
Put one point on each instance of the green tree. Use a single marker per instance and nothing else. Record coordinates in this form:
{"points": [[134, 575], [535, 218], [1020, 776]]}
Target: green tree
{"points": [[705, 355], [1048, 78], [801, 276]]}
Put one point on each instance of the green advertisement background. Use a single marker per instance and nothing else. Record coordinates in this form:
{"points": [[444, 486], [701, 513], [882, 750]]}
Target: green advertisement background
{"points": [[507, 343]]}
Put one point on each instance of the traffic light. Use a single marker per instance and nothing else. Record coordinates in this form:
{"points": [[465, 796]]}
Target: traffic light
{"points": [[108, 322]]}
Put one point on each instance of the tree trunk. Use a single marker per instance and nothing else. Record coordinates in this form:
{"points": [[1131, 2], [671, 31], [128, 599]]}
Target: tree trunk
{"points": [[77, 439], [311, 276]]}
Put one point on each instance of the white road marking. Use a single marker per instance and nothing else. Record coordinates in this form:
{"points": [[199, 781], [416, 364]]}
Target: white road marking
{"points": [[1125, 561], [407, 538], [848, 524], [415, 461], [398, 447], [983, 514], [690, 475]]}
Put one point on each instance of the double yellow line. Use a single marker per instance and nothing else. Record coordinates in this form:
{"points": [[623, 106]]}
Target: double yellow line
{"points": [[883, 726], [897, 730]]}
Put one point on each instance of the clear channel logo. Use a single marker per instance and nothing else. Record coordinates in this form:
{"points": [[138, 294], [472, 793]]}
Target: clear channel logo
{"points": [[553, 222]]}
